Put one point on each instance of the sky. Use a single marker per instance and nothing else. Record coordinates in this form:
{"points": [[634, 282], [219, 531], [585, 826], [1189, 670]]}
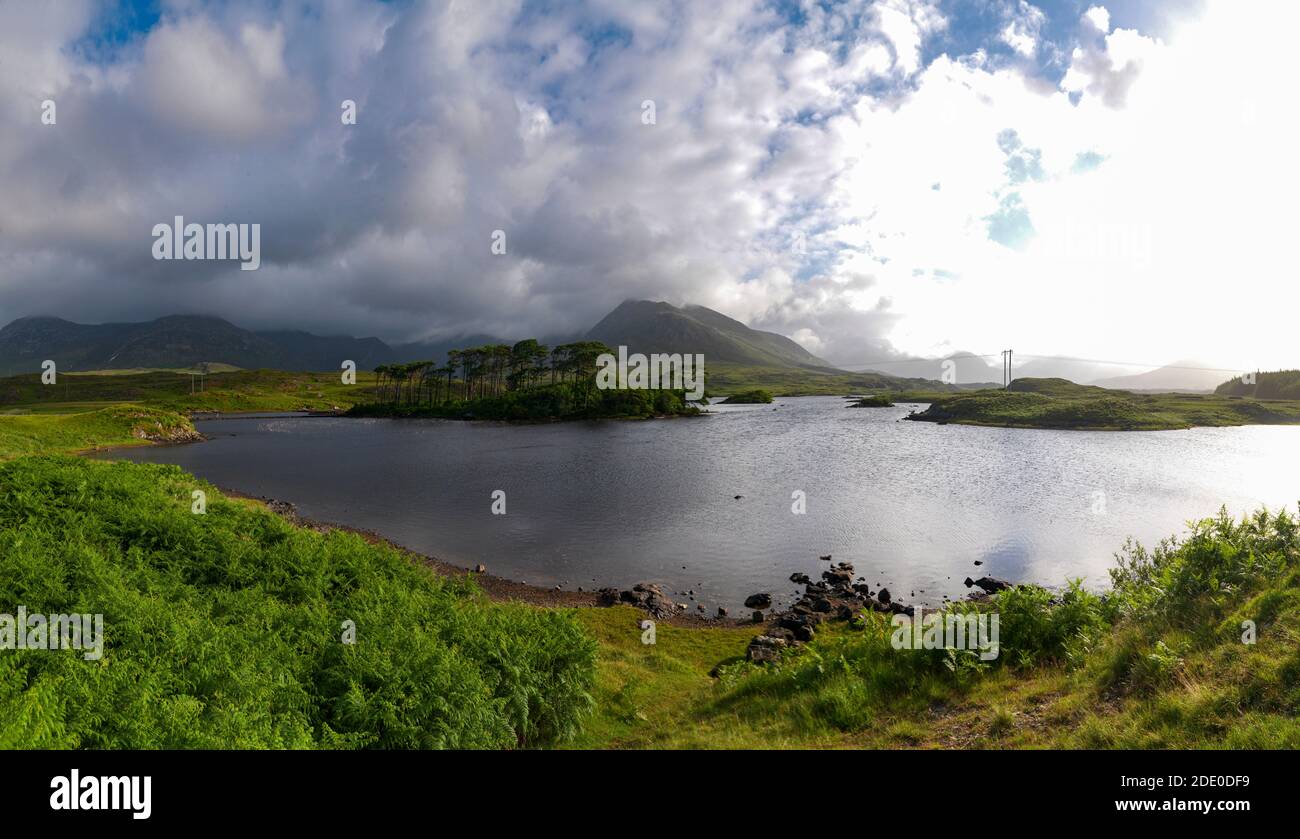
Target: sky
{"points": [[874, 179]]}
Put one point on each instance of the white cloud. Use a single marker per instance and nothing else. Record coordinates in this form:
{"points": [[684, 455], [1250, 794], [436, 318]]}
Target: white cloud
{"points": [[1099, 18], [474, 118], [1022, 31]]}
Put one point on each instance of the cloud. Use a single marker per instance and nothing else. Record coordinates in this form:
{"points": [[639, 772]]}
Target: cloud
{"points": [[789, 176], [1021, 33]]}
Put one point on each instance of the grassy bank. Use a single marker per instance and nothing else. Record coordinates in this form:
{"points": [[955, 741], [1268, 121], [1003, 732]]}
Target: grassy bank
{"points": [[1158, 663], [757, 396], [226, 629], [1057, 403], [240, 390], [120, 425]]}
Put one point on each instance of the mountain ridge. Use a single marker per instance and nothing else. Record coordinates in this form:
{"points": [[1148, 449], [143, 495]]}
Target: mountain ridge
{"points": [[655, 326], [185, 340]]}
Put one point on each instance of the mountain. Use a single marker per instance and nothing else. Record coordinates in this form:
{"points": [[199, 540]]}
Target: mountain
{"points": [[1187, 376], [175, 341], [736, 354], [647, 326]]}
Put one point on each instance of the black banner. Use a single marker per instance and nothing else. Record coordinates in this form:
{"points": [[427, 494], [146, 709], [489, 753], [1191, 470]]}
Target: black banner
{"points": [[140, 790]]}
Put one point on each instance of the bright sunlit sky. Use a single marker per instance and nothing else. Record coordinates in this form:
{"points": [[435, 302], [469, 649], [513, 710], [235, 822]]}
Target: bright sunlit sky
{"points": [[872, 178]]}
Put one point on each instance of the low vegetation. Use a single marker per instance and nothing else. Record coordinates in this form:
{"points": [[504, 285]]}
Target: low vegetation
{"points": [[1160, 662], [756, 396], [1057, 403], [874, 400], [120, 425], [226, 630], [183, 391]]}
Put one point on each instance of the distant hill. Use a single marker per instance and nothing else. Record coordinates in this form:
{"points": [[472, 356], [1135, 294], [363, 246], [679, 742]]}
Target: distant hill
{"points": [[736, 355], [175, 341], [1186, 376], [647, 326]]}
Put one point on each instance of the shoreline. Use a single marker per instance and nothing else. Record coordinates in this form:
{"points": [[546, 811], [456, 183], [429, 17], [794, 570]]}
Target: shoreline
{"points": [[497, 588]]}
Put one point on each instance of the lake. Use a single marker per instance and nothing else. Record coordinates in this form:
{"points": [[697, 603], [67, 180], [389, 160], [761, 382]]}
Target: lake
{"points": [[912, 505]]}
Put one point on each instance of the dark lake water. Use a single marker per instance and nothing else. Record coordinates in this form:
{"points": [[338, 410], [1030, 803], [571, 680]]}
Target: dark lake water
{"points": [[911, 505]]}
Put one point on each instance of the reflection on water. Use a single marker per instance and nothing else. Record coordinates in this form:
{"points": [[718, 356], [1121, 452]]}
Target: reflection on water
{"points": [[911, 505]]}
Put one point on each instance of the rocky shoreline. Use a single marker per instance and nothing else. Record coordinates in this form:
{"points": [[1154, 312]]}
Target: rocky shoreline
{"points": [[837, 596]]}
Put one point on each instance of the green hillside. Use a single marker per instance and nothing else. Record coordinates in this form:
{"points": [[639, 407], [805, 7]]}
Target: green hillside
{"points": [[1058, 403]]}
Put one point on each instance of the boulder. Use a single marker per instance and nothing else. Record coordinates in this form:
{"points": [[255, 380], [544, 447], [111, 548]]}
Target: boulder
{"points": [[758, 601], [651, 598], [989, 584]]}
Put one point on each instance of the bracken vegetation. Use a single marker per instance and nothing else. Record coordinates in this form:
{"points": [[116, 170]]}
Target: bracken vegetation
{"points": [[1165, 660], [225, 630]]}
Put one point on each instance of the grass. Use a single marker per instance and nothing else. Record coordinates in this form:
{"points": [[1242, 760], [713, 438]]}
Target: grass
{"points": [[237, 390], [757, 396], [875, 400], [1057, 403], [227, 622], [1159, 663], [223, 632], [119, 425], [228, 629]]}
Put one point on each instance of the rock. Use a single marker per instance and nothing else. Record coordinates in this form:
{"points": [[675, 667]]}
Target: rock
{"points": [[480, 569], [826, 558], [758, 601], [781, 634], [844, 613], [821, 604], [722, 613], [651, 598], [883, 596], [804, 634], [757, 617], [989, 584], [838, 576], [738, 497], [765, 648], [799, 578], [979, 562]]}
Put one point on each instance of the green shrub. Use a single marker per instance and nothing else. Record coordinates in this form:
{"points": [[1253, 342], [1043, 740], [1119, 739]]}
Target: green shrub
{"points": [[225, 629]]}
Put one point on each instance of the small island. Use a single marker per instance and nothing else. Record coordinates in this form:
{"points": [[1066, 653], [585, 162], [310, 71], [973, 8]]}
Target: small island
{"points": [[756, 396], [873, 400], [526, 382], [1062, 404]]}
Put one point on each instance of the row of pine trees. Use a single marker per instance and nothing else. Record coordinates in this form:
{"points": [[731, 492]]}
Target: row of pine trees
{"points": [[489, 370]]}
